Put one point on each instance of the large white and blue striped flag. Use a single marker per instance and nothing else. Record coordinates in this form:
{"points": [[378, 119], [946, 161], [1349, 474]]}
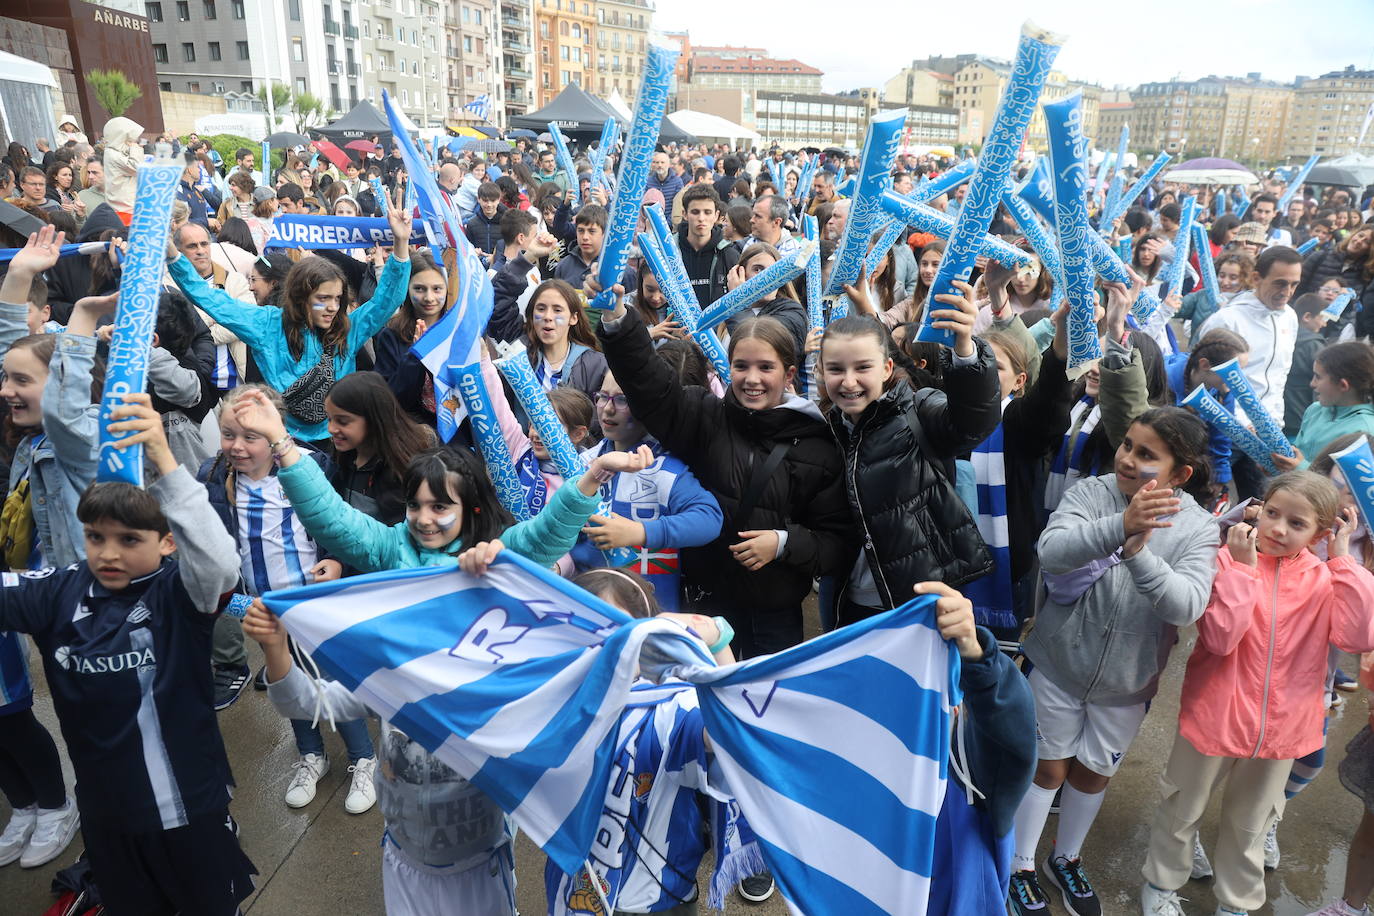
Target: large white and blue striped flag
{"points": [[454, 341], [516, 679], [836, 750]]}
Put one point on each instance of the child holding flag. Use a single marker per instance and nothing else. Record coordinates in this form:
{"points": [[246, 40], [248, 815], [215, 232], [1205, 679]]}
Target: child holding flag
{"points": [[446, 845]]}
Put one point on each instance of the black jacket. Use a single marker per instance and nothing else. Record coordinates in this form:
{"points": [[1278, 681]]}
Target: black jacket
{"points": [[1032, 427], [707, 267], [70, 278], [721, 442], [1324, 264], [485, 234], [909, 532]]}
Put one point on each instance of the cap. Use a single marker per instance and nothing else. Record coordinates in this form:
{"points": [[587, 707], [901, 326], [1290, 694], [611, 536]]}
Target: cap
{"points": [[1252, 233], [263, 193]]}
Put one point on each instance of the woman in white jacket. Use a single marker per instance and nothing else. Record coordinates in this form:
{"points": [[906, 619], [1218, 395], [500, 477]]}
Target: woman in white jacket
{"points": [[123, 153]]}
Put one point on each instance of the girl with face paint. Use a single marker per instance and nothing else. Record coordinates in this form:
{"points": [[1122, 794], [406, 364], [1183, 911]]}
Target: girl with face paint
{"points": [[437, 825], [651, 515], [309, 339], [559, 340], [427, 301]]}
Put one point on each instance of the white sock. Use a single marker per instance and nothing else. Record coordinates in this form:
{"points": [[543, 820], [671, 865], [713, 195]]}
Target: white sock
{"points": [[1077, 811], [1030, 823]]}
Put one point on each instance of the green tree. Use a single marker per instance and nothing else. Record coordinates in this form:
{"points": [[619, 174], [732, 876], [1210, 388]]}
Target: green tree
{"points": [[309, 111], [281, 99], [113, 90]]}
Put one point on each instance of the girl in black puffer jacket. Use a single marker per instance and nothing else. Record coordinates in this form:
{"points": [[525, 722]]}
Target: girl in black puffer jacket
{"points": [[914, 527], [759, 446]]}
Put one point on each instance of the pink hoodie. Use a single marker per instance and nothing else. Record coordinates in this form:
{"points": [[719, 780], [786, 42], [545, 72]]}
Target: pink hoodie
{"points": [[1255, 680]]}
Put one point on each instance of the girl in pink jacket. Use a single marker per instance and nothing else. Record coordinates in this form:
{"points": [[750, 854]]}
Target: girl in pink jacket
{"points": [[1252, 696]]}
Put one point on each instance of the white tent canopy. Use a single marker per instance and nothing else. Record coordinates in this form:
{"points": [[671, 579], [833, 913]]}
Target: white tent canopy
{"points": [[617, 102], [22, 70], [711, 127]]}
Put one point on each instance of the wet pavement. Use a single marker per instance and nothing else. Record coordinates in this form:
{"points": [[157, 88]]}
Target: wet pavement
{"points": [[321, 861]]}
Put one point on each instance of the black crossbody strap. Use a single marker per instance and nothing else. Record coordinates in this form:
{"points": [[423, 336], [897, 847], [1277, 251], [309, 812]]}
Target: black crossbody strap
{"points": [[757, 481]]}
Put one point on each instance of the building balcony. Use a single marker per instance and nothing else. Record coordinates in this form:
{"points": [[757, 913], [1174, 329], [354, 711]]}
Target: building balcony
{"points": [[331, 27], [515, 47], [355, 70], [513, 19], [350, 31], [333, 67], [519, 73]]}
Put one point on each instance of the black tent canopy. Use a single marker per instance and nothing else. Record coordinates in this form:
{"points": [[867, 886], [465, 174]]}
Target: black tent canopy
{"points": [[362, 123], [581, 115]]}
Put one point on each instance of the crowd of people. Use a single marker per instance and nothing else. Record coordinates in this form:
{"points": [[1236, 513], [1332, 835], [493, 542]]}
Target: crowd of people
{"points": [[1071, 528]]}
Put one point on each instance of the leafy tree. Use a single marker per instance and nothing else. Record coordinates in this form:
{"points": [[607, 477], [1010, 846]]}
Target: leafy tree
{"points": [[113, 90], [309, 111], [281, 101]]}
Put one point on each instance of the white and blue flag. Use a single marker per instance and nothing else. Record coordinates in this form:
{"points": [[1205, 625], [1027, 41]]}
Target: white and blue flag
{"points": [[480, 106], [836, 750], [453, 342]]}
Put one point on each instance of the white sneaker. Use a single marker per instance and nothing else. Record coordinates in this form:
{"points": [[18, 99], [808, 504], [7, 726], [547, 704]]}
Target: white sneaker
{"points": [[1155, 902], [310, 769], [1271, 847], [362, 793], [52, 831], [1339, 907], [17, 833], [1202, 866]]}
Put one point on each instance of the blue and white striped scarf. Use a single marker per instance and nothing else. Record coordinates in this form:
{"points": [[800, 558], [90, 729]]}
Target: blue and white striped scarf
{"points": [[1070, 463], [991, 594]]}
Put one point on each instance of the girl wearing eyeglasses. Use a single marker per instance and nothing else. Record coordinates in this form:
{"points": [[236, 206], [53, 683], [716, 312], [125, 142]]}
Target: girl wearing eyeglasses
{"points": [[652, 514]]}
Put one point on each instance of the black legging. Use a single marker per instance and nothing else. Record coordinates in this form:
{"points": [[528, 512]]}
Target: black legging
{"points": [[30, 770]]}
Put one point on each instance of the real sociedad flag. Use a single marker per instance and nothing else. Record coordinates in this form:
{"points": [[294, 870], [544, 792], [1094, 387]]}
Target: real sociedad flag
{"points": [[518, 679], [454, 341], [480, 106]]}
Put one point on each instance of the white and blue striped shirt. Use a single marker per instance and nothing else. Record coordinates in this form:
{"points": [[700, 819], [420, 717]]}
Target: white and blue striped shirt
{"points": [[275, 550]]}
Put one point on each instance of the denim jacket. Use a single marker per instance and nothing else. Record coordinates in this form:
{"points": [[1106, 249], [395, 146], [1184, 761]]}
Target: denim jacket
{"points": [[63, 463]]}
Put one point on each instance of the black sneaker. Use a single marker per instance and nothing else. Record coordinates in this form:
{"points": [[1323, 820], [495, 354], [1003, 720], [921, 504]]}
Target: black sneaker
{"points": [[229, 683], [1067, 875], [260, 679], [1025, 896], [756, 888]]}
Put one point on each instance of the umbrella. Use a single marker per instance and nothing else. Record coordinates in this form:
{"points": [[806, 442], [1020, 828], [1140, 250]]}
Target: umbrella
{"points": [[1211, 162], [521, 132], [460, 144], [362, 146], [1210, 176], [1342, 176], [332, 153], [545, 137], [285, 139]]}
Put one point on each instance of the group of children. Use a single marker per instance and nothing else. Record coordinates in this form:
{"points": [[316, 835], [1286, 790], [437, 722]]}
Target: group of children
{"points": [[1078, 518]]}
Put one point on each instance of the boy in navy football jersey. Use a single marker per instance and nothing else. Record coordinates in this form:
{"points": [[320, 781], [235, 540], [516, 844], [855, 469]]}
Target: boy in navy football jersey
{"points": [[125, 642]]}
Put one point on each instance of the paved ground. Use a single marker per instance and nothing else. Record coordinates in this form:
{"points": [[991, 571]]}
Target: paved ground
{"points": [[320, 861]]}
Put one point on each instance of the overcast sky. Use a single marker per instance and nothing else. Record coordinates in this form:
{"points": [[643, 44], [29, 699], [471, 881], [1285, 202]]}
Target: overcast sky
{"points": [[1121, 43]]}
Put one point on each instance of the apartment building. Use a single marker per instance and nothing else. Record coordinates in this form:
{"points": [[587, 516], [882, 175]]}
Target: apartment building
{"points": [[622, 37]]}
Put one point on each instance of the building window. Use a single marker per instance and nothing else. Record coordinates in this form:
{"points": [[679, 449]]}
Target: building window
{"points": [[467, 44], [405, 96], [242, 47], [300, 84], [294, 6], [210, 12], [164, 87], [154, 13], [188, 51], [467, 14], [214, 50], [238, 8], [183, 10], [160, 55], [297, 50]]}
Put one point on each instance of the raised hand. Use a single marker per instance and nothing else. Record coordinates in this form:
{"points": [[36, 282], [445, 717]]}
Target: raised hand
{"points": [[138, 417], [1241, 540], [1346, 523], [958, 318], [477, 559], [257, 415]]}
